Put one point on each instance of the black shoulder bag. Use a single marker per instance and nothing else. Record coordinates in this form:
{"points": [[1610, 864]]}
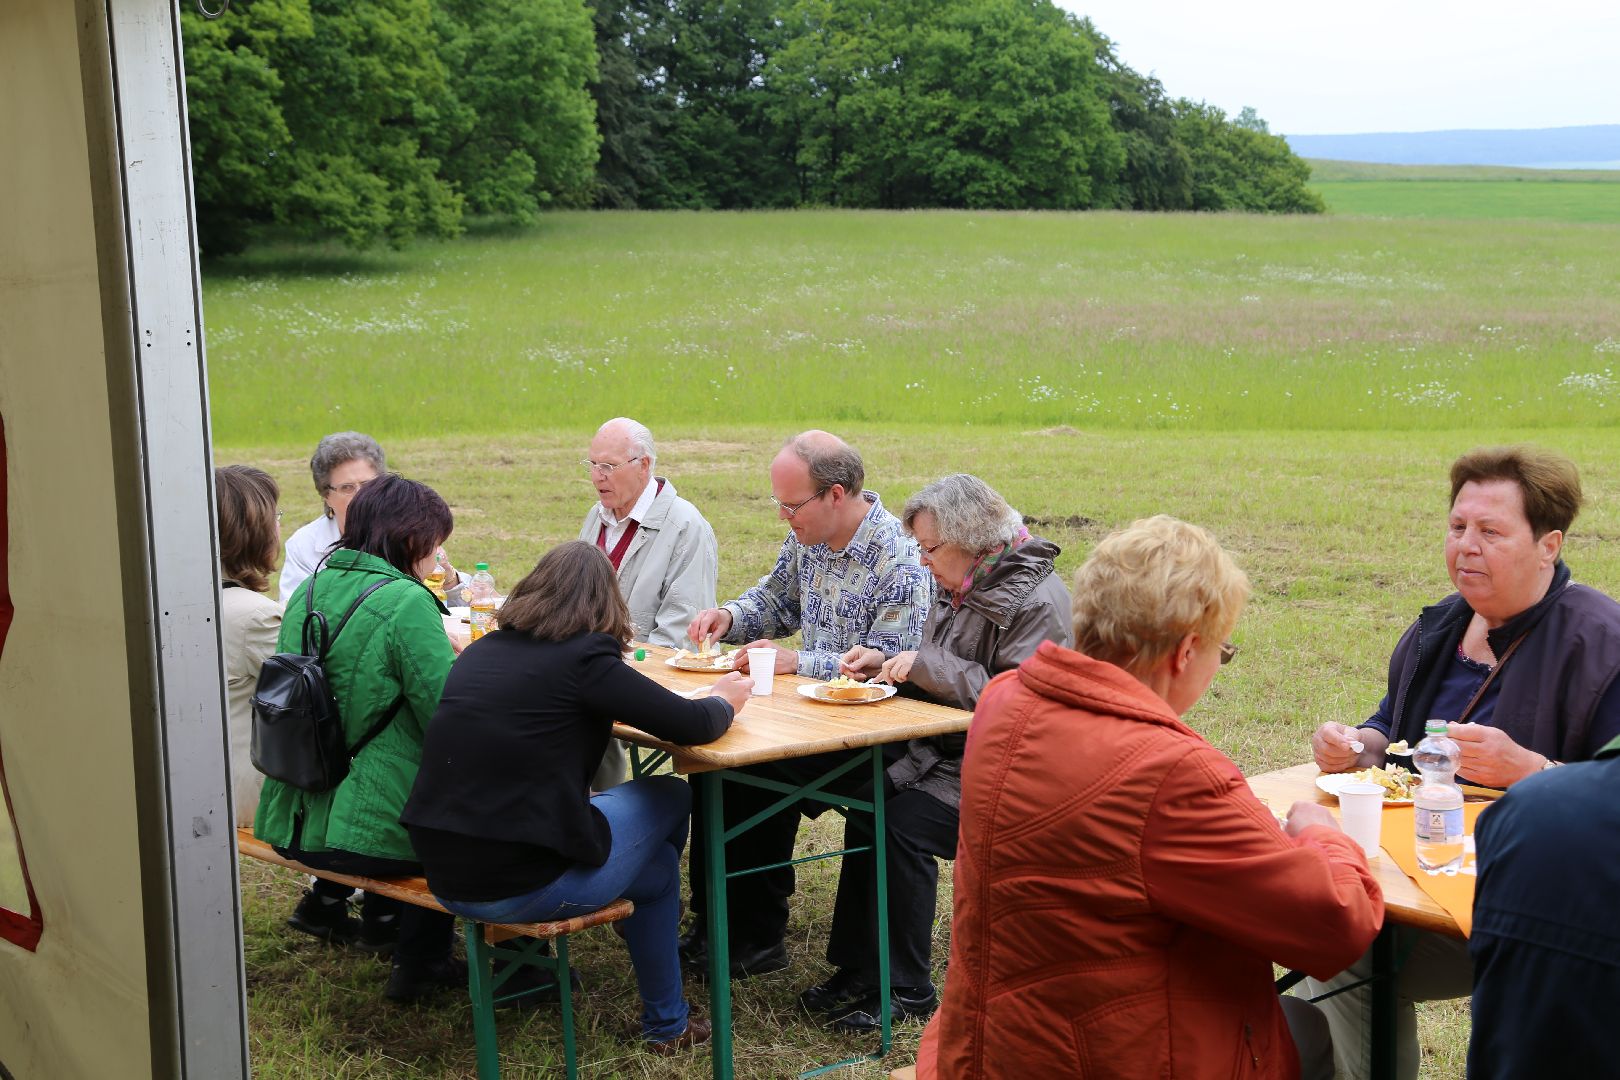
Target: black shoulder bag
{"points": [[297, 728]]}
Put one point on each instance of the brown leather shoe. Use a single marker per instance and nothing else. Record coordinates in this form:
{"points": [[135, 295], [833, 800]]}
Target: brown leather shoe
{"points": [[697, 1033]]}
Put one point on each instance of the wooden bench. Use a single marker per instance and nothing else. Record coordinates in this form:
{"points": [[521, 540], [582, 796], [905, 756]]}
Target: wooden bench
{"points": [[484, 944]]}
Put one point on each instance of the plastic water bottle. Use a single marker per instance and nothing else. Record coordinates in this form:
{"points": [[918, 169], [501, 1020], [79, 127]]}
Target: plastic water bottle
{"points": [[1438, 802], [481, 599]]}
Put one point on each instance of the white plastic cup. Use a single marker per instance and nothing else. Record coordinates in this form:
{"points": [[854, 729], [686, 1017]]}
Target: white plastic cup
{"points": [[1361, 813], [762, 669]]}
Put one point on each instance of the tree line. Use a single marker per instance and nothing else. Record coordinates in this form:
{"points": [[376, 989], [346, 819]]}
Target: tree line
{"points": [[391, 119]]}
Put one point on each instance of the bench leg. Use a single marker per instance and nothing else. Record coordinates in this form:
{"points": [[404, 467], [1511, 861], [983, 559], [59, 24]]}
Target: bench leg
{"points": [[566, 995], [480, 988]]}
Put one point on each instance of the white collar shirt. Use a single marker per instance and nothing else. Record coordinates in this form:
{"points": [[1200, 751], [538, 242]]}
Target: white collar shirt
{"points": [[638, 513]]}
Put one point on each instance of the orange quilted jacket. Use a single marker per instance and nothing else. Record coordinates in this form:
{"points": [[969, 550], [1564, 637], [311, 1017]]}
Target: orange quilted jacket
{"points": [[1120, 895]]}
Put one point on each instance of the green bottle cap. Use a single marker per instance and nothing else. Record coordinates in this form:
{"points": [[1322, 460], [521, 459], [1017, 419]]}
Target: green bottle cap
{"points": [[1436, 727], [482, 566], [641, 654]]}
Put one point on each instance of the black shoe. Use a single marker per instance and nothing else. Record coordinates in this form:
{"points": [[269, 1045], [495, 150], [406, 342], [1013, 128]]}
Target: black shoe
{"points": [[530, 986], [746, 960], [411, 982], [905, 1003], [329, 921], [836, 994], [377, 936]]}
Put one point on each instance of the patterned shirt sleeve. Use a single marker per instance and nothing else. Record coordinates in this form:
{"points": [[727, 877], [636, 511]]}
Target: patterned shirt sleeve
{"points": [[904, 596], [771, 608]]}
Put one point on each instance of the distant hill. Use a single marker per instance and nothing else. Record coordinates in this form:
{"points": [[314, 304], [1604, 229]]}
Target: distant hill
{"points": [[1325, 171], [1593, 146]]}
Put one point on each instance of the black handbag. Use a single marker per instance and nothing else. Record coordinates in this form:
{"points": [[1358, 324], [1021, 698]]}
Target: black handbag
{"points": [[297, 728]]}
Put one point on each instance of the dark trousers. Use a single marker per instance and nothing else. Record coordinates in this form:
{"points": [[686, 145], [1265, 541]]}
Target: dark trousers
{"points": [[757, 904], [424, 936], [919, 830]]}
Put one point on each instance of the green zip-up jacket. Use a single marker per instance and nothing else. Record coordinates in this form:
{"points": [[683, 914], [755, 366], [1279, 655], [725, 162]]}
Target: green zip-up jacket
{"points": [[394, 646]]}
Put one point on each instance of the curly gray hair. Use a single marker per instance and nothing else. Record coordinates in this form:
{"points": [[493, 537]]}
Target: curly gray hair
{"points": [[335, 449], [967, 513]]}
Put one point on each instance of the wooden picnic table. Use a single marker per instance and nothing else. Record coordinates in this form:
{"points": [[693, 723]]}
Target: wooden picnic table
{"points": [[1405, 903], [779, 727]]}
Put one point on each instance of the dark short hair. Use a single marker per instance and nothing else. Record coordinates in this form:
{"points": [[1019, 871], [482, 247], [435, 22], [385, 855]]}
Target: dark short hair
{"points": [[1549, 482], [398, 520], [572, 590], [248, 545]]}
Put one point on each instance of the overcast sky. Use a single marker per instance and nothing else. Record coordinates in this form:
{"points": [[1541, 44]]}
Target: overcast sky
{"points": [[1378, 65]]}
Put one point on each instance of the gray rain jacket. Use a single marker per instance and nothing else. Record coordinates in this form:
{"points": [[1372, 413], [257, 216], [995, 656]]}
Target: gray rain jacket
{"points": [[1002, 620]]}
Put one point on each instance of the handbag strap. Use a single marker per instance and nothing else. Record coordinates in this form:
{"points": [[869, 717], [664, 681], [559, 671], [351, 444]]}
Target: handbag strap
{"points": [[1500, 664], [328, 640], [377, 728]]}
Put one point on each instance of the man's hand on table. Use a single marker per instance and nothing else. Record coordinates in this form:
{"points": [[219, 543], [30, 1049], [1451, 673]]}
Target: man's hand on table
{"points": [[1491, 758], [787, 660], [710, 624], [1302, 815], [1331, 745]]}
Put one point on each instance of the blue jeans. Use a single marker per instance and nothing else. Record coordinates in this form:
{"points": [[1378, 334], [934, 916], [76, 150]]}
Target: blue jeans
{"points": [[648, 819]]}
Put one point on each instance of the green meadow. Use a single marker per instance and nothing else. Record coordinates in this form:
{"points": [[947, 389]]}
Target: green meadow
{"points": [[1468, 192], [1297, 385]]}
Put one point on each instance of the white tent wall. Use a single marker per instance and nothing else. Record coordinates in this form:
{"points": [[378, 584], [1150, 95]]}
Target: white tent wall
{"points": [[111, 711]]}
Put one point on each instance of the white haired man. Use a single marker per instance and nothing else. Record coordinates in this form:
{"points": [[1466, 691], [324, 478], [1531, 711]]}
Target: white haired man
{"points": [[662, 548]]}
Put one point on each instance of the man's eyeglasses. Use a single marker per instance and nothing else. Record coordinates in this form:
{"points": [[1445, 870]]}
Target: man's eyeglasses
{"points": [[1228, 652], [606, 467], [793, 508], [350, 488]]}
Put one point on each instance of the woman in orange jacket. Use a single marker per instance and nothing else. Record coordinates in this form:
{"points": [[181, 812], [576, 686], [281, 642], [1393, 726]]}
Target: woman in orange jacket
{"points": [[1120, 894]]}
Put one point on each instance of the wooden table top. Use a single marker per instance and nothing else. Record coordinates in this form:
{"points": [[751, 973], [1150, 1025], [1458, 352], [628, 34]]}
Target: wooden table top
{"points": [[1404, 901], [786, 725]]}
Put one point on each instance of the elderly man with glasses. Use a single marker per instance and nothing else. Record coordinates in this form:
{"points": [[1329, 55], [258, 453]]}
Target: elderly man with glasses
{"points": [[848, 574], [662, 548]]}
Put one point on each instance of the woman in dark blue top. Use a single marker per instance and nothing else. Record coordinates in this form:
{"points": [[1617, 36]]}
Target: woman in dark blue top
{"points": [[502, 815]]}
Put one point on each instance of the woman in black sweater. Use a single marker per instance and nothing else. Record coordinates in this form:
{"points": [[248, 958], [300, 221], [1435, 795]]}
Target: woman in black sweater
{"points": [[502, 815]]}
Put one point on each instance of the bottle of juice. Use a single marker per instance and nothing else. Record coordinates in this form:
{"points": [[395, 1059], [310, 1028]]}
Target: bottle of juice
{"points": [[481, 599], [435, 579]]}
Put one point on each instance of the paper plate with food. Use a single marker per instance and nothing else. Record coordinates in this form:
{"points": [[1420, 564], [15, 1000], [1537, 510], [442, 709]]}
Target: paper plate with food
{"points": [[846, 691], [707, 658], [1397, 781]]}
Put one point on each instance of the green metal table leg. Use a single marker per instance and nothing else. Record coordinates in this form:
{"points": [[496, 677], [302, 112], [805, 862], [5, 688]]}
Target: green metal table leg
{"points": [[880, 856], [480, 972], [566, 994], [714, 824]]}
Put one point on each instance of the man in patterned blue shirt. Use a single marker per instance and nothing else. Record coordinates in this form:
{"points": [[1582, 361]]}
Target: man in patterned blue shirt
{"points": [[848, 574]]}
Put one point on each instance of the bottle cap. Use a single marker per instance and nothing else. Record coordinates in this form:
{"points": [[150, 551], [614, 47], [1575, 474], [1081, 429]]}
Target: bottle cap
{"points": [[1436, 727], [641, 654], [481, 566]]}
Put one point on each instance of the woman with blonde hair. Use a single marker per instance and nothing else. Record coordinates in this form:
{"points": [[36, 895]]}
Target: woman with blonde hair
{"points": [[1120, 894]]}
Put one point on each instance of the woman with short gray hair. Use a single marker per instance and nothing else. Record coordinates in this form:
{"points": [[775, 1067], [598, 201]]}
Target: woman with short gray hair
{"points": [[342, 464], [997, 599]]}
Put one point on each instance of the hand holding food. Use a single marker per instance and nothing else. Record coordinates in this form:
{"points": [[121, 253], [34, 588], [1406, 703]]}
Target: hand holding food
{"points": [[1333, 746], [861, 662], [710, 624]]}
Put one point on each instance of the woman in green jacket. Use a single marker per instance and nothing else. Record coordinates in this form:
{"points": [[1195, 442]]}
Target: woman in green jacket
{"points": [[391, 658]]}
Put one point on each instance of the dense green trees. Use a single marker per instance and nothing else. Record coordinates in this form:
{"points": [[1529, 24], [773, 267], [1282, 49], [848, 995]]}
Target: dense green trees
{"points": [[393, 118]]}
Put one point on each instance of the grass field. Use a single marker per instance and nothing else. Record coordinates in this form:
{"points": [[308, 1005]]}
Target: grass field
{"points": [[1326, 170], [1099, 321], [1314, 377], [1468, 192]]}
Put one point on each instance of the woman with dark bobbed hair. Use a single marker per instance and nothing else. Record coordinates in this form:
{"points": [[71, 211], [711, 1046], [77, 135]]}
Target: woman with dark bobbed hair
{"points": [[249, 621], [502, 813], [389, 664]]}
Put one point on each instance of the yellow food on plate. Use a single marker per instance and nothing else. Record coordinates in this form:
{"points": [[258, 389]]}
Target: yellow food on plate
{"points": [[844, 688], [1397, 782], [1399, 748]]}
